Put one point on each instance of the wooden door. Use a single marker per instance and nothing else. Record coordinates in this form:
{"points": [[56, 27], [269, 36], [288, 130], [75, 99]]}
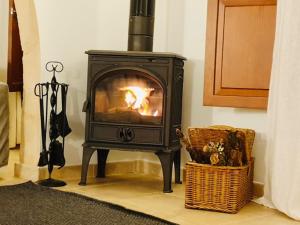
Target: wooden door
{"points": [[239, 50], [15, 53]]}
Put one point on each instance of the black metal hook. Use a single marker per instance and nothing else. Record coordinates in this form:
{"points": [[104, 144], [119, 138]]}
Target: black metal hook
{"points": [[39, 89], [54, 66]]}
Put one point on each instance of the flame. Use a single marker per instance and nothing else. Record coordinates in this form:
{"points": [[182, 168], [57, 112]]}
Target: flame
{"points": [[138, 98], [130, 98]]}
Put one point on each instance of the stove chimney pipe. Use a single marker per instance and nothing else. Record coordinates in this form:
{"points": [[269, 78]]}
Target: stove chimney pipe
{"points": [[141, 25]]}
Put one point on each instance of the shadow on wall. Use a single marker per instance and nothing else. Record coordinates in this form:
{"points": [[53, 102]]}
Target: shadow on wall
{"points": [[76, 138], [246, 111], [187, 99], [77, 125], [259, 148], [193, 112]]}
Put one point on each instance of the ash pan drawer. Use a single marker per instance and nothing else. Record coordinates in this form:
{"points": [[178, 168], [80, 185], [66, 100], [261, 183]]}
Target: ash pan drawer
{"points": [[127, 134]]}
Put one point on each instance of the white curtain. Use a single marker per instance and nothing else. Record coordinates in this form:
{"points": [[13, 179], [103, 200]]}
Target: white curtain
{"points": [[282, 183]]}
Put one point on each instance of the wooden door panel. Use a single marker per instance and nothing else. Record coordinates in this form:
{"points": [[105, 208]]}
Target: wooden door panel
{"points": [[239, 49], [247, 63]]}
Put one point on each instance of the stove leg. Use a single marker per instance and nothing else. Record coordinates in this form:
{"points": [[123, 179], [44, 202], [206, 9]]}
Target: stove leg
{"points": [[177, 166], [166, 159], [86, 156], [102, 156]]}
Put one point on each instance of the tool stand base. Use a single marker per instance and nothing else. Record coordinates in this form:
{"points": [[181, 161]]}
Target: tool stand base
{"points": [[51, 183]]}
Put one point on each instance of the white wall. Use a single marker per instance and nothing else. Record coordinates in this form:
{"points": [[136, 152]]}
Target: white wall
{"points": [[3, 38], [68, 28]]}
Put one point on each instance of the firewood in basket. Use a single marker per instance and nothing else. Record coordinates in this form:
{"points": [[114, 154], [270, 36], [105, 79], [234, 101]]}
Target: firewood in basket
{"points": [[214, 158], [214, 153], [235, 158], [198, 156], [237, 150]]}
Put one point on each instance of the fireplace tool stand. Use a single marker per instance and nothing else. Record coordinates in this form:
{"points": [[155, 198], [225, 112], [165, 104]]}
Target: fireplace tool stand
{"points": [[58, 124]]}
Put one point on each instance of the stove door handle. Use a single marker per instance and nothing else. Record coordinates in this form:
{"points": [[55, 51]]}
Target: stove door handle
{"points": [[126, 134], [129, 133], [121, 134]]}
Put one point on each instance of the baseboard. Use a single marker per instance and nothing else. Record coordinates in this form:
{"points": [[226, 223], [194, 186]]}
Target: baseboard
{"points": [[112, 168], [258, 189], [27, 172], [34, 173]]}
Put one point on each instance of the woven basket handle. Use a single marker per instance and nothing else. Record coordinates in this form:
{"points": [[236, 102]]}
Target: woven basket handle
{"points": [[224, 127], [250, 167], [248, 171]]}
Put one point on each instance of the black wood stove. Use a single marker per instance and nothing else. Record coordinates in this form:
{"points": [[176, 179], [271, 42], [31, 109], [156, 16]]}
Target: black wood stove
{"points": [[134, 101]]}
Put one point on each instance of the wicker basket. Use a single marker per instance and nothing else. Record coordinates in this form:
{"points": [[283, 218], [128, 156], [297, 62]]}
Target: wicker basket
{"points": [[220, 188]]}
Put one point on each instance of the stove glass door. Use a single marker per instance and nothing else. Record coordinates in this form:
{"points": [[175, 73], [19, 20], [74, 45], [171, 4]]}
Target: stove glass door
{"points": [[129, 97]]}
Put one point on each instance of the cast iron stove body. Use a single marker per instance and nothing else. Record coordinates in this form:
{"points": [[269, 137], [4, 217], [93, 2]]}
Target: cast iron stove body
{"points": [[114, 121]]}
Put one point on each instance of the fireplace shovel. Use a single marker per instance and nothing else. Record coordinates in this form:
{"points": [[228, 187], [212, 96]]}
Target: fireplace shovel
{"points": [[39, 91]]}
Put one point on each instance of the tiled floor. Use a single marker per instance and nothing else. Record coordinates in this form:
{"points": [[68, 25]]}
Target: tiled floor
{"points": [[143, 193]]}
